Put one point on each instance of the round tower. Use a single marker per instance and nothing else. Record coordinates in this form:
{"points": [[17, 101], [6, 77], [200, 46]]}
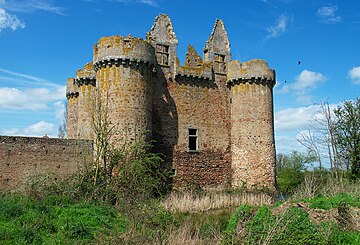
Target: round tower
{"points": [[72, 95], [124, 69], [86, 82], [252, 125]]}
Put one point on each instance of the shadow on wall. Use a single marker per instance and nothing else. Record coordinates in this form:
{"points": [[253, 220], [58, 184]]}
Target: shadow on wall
{"points": [[165, 119]]}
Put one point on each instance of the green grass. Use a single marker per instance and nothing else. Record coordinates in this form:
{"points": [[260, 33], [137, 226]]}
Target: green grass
{"points": [[293, 226], [326, 203], [54, 220]]}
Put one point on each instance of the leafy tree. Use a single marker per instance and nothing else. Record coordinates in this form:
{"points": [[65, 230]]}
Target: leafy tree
{"points": [[291, 170], [347, 132]]}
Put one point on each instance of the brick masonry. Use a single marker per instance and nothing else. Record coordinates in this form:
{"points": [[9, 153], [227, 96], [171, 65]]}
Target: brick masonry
{"points": [[22, 158]]}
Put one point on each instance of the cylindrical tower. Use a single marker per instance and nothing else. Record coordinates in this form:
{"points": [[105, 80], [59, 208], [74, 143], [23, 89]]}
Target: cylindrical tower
{"points": [[124, 69], [252, 125], [72, 95], [86, 82]]}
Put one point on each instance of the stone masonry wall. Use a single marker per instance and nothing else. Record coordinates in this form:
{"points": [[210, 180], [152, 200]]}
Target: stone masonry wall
{"points": [[22, 158], [202, 105], [253, 151], [124, 76]]}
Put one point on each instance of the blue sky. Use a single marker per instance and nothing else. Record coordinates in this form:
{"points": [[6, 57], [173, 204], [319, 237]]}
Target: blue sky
{"points": [[43, 42]]}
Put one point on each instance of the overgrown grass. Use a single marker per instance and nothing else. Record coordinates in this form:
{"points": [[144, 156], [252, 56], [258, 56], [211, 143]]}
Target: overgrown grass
{"points": [[54, 220], [326, 203]]}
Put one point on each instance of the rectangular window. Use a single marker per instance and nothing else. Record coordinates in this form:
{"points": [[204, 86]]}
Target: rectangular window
{"points": [[162, 54], [219, 63], [193, 139]]}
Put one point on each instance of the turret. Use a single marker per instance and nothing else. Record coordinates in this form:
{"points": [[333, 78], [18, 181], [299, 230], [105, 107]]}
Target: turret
{"points": [[72, 95], [163, 38], [252, 124], [124, 69], [86, 83]]}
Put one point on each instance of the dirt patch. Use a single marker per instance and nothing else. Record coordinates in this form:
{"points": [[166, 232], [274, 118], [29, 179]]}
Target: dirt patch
{"points": [[351, 219]]}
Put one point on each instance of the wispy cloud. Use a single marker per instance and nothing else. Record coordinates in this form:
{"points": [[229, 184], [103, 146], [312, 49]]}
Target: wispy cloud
{"points": [[354, 75], [9, 21], [31, 5], [21, 91], [327, 14], [25, 78], [280, 27], [305, 82], [147, 2]]}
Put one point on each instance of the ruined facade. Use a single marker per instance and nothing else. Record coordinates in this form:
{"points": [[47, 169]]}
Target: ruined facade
{"points": [[211, 117]]}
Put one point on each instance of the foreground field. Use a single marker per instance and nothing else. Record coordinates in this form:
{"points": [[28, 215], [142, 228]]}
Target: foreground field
{"points": [[59, 220]]}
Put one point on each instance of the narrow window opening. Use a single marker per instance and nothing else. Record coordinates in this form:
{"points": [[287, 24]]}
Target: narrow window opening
{"points": [[162, 54], [193, 139], [219, 63]]}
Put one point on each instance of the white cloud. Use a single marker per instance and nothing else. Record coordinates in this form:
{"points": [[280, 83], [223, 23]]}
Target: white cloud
{"points": [[59, 110], [29, 99], [287, 144], [27, 92], [279, 28], [305, 82], [32, 5], [327, 14], [38, 129], [9, 21], [296, 118], [354, 75]]}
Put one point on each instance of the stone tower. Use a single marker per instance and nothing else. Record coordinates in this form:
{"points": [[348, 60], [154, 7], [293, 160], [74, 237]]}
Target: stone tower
{"points": [[124, 69], [252, 130], [86, 83], [212, 117], [72, 94]]}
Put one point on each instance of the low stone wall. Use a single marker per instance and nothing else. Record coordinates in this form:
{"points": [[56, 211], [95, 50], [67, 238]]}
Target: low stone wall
{"points": [[22, 158]]}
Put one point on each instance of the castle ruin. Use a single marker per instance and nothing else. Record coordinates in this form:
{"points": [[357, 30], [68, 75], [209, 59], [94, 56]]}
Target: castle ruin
{"points": [[211, 117]]}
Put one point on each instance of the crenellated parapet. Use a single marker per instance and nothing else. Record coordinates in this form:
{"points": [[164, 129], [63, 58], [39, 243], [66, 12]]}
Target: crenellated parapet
{"points": [[86, 76], [253, 71], [123, 51], [71, 90]]}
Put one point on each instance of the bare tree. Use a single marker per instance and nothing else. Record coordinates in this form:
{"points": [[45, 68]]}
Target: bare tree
{"points": [[321, 139]]}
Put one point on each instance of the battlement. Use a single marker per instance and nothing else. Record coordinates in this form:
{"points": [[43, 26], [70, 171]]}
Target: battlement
{"points": [[126, 51], [71, 91], [86, 76], [253, 71]]}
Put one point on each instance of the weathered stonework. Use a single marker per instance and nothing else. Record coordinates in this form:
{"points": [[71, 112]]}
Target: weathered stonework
{"points": [[23, 158], [212, 118]]}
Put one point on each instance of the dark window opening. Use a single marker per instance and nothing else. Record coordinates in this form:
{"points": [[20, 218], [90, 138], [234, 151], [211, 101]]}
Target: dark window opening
{"points": [[193, 139], [162, 54]]}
